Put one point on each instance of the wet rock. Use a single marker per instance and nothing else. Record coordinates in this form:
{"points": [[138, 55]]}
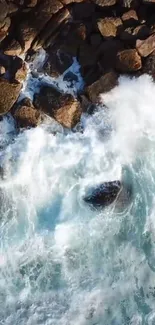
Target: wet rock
{"points": [[9, 93], [31, 3], [27, 116], [18, 69], [148, 1], [57, 63], [132, 34], [83, 10], [107, 82], [128, 61], [95, 40], [90, 73], [104, 194], [64, 108], [70, 77], [129, 3], [84, 56], [66, 2], [109, 27], [147, 46]]}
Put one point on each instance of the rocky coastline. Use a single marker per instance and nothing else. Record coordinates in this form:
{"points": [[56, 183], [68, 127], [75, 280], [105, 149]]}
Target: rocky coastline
{"points": [[107, 37]]}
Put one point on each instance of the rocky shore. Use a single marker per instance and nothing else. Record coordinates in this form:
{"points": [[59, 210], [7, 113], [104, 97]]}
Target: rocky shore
{"points": [[107, 37]]}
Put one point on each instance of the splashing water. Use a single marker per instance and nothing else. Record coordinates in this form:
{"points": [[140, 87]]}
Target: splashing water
{"points": [[60, 262]]}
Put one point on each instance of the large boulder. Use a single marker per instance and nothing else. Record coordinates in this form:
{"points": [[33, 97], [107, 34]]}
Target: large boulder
{"points": [[128, 61], [147, 46], [64, 108], [130, 18], [106, 83], [9, 93]]}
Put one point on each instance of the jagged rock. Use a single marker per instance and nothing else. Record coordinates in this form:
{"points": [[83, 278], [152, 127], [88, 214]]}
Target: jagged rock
{"points": [[57, 63], [147, 46], [27, 116], [2, 70], [50, 32], [9, 93], [13, 48], [35, 22], [107, 82], [130, 18], [104, 194], [128, 61], [149, 65], [109, 27], [64, 108], [105, 3]]}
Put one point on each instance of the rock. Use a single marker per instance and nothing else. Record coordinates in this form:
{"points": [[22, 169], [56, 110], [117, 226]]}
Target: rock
{"points": [[2, 70], [84, 57], [95, 40], [149, 65], [128, 61], [70, 77], [57, 63], [130, 18], [83, 10], [31, 3], [9, 93], [108, 54], [104, 194], [148, 1], [13, 48], [105, 3], [107, 82], [147, 46], [73, 39], [130, 3], [35, 22], [64, 108], [90, 73], [109, 27], [27, 116], [3, 10], [66, 2], [132, 34], [18, 69]]}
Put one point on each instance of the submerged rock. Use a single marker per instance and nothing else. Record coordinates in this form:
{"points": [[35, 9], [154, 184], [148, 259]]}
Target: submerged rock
{"points": [[26, 115], [64, 108], [107, 193]]}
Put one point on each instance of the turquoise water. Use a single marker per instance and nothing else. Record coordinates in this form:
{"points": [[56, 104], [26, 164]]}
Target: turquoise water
{"points": [[62, 263]]}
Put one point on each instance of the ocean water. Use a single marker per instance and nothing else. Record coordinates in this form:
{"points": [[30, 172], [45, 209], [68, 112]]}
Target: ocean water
{"points": [[61, 262]]}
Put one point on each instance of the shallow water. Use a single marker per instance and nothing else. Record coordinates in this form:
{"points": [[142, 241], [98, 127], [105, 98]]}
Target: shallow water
{"points": [[62, 263]]}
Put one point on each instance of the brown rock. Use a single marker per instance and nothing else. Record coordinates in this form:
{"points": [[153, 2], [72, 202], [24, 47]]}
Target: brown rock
{"points": [[36, 21], [107, 82], [3, 9], [130, 3], [2, 70], [130, 18], [9, 93], [146, 46], [27, 116], [105, 3], [128, 61], [109, 27], [132, 34], [67, 2], [13, 48], [64, 108], [31, 3]]}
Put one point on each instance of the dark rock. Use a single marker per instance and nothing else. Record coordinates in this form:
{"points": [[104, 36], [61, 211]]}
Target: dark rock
{"points": [[13, 48], [107, 82], [64, 108], [3, 10], [149, 65], [90, 73], [129, 3], [128, 61], [95, 40], [104, 194], [87, 55], [70, 76], [27, 116], [109, 27], [130, 18], [9, 93], [57, 63], [147, 46], [18, 69], [108, 54], [83, 10], [132, 34], [74, 38]]}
